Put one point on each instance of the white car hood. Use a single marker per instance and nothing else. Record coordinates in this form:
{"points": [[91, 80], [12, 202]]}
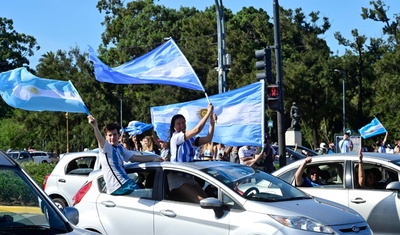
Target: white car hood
{"points": [[324, 211]]}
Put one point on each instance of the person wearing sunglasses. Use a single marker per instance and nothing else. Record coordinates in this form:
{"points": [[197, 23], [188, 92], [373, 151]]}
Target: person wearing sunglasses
{"points": [[312, 175]]}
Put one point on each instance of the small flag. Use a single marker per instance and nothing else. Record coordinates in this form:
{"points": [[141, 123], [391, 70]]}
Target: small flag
{"points": [[372, 129]]}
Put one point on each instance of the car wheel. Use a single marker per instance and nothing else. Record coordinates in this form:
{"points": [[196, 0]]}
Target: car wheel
{"points": [[60, 203], [44, 161]]}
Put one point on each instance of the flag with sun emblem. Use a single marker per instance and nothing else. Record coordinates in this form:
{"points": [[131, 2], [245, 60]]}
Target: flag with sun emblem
{"points": [[373, 128], [239, 114], [21, 89]]}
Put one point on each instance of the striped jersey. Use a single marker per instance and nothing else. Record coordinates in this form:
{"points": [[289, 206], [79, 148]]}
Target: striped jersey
{"points": [[182, 150]]}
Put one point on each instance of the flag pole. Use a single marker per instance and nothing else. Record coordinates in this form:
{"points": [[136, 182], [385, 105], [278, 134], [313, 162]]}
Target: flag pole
{"points": [[208, 99]]}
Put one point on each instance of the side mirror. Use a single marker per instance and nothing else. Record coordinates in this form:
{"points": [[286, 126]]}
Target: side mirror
{"points": [[72, 214], [393, 186], [213, 203]]}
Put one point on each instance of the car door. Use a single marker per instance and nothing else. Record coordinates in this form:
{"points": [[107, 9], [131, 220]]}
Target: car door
{"points": [[379, 207], [73, 176], [172, 216], [135, 211]]}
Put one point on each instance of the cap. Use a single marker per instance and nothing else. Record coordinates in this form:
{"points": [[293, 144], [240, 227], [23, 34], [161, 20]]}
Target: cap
{"points": [[322, 145]]}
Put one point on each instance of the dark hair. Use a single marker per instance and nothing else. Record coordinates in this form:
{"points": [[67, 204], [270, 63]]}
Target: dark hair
{"points": [[310, 168], [174, 118], [111, 126]]}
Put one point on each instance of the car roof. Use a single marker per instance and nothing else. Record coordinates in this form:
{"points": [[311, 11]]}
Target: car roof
{"points": [[6, 160], [198, 165], [367, 156]]}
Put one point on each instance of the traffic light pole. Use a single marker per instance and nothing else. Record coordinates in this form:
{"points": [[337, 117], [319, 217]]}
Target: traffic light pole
{"points": [[281, 111], [222, 57]]}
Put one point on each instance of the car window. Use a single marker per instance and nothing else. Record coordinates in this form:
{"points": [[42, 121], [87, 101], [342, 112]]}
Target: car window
{"points": [[144, 178], [384, 175], [80, 166], [210, 189], [330, 175]]}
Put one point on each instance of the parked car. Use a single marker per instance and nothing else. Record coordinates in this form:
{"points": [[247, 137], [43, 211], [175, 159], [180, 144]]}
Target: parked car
{"points": [[291, 155], [41, 156], [339, 175], [71, 173], [300, 149], [20, 156], [26, 209], [241, 201]]}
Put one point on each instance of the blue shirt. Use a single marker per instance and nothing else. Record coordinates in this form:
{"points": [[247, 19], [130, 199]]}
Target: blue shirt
{"points": [[308, 183], [181, 150]]}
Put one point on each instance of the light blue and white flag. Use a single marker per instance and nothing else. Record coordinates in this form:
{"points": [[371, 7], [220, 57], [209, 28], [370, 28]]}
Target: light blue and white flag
{"points": [[137, 128], [372, 129], [239, 116], [165, 64], [21, 89]]}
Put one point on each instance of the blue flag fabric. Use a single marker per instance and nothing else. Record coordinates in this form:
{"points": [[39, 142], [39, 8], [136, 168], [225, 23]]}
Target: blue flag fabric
{"points": [[165, 64], [372, 129], [137, 128], [239, 116], [21, 89]]}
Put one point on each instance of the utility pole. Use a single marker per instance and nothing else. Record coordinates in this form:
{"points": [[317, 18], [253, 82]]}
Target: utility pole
{"points": [[223, 58], [281, 111]]}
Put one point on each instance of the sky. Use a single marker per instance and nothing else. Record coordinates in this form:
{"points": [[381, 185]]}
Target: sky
{"points": [[60, 24]]}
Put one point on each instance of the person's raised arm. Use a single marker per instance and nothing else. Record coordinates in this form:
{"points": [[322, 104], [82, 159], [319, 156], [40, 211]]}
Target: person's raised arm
{"points": [[361, 174], [299, 173], [197, 129], [385, 139], [99, 137]]}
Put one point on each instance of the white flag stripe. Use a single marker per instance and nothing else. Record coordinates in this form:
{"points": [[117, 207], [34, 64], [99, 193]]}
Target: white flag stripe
{"points": [[24, 92]]}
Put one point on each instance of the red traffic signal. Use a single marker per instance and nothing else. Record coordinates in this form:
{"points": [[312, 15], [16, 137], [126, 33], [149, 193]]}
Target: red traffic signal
{"points": [[273, 92]]}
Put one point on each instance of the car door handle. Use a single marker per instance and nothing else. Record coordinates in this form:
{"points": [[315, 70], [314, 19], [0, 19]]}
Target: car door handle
{"points": [[358, 200], [108, 203], [62, 180], [168, 213]]}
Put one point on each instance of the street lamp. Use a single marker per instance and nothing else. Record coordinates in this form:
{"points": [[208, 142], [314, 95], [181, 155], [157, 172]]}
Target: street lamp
{"points": [[120, 103], [344, 97]]}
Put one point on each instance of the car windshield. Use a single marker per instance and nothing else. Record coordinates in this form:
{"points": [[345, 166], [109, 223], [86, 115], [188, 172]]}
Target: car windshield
{"points": [[254, 184], [23, 210]]}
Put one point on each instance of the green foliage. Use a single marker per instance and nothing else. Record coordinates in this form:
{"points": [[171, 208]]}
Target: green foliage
{"points": [[38, 171], [136, 27]]}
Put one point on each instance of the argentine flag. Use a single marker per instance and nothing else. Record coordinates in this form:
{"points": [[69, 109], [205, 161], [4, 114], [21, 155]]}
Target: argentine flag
{"points": [[372, 129], [239, 114], [165, 64], [21, 89]]}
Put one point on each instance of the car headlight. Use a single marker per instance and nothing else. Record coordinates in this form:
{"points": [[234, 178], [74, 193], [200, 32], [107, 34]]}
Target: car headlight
{"points": [[302, 223]]}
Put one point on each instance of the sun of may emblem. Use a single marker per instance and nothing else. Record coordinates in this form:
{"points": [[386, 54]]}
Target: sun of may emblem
{"points": [[33, 90], [202, 112]]}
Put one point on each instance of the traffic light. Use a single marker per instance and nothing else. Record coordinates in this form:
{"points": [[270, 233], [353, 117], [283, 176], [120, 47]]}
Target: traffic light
{"points": [[273, 97], [264, 63]]}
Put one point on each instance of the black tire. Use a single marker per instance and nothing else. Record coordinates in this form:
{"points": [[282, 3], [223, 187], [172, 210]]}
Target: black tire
{"points": [[60, 202]]}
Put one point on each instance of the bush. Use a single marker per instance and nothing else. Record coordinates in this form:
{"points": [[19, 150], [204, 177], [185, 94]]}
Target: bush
{"points": [[38, 171]]}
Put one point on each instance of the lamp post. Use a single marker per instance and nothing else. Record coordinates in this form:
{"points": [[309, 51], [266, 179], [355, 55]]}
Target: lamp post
{"points": [[344, 97], [66, 117], [120, 105]]}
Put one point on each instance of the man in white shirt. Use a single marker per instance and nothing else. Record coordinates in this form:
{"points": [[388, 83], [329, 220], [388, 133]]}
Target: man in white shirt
{"points": [[346, 145], [245, 154]]}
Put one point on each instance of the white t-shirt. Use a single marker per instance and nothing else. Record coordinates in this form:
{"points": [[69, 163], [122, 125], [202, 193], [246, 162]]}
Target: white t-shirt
{"points": [[245, 151]]}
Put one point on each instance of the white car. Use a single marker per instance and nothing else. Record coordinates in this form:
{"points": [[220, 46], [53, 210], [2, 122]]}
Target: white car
{"points": [[41, 156], [338, 175], [71, 173], [241, 201]]}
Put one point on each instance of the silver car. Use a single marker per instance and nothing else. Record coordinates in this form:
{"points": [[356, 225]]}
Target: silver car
{"points": [[240, 200], [338, 174], [26, 209]]}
